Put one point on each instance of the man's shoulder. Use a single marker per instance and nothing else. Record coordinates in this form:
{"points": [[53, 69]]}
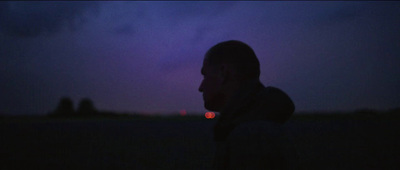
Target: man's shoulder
{"points": [[273, 93], [272, 104]]}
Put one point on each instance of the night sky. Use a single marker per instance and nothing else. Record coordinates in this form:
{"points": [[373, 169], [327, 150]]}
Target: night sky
{"points": [[146, 56]]}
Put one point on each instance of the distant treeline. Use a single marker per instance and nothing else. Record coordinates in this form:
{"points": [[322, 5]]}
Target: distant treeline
{"points": [[86, 109], [393, 114], [65, 108], [356, 115]]}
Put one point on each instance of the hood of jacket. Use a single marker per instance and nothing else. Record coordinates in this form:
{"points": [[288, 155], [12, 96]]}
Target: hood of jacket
{"points": [[254, 102]]}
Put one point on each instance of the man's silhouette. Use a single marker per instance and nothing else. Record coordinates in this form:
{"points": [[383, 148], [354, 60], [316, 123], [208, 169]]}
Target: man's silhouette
{"points": [[249, 131]]}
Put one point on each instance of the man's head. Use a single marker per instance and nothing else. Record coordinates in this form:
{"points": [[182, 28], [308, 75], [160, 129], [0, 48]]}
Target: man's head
{"points": [[226, 66]]}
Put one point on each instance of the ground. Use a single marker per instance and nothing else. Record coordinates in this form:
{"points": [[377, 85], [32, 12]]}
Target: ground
{"points": [[162, 143]]}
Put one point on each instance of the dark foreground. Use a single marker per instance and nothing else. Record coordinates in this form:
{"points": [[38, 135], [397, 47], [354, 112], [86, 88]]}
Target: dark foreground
{"points": [[185, 144]]}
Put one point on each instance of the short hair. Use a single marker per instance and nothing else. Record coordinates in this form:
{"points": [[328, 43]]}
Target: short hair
{"points": [[237, 53]]}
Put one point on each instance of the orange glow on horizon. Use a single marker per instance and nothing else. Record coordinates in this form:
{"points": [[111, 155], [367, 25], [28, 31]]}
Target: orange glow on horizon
{"points": [[183, 112], [210, 115]]}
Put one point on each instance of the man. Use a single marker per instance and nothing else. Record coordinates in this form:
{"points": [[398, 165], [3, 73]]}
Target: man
{"points": [[249, 131]]}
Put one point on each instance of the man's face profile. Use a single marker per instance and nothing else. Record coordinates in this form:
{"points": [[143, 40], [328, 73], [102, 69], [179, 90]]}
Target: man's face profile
{"points": [[211, 86]]}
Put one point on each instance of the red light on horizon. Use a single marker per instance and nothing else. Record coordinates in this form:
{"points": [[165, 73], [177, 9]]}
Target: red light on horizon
{"points": [[210, 115], [183, 112]]}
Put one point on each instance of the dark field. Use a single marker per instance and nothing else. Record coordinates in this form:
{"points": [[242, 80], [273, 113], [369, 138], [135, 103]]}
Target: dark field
{"points": [[186, 144]]}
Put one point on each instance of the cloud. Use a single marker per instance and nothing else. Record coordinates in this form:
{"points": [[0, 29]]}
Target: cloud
{"points": [[30, 19], [192, 9], [125, 29], [358, 11], [340, 14]]}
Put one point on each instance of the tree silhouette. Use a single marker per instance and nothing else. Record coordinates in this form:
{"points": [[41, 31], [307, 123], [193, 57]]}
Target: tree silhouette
{"points": [[86, 107], [65, 107]]}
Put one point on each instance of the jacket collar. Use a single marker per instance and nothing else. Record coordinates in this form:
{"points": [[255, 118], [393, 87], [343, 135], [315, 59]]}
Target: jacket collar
{"points": [[241, 101]]}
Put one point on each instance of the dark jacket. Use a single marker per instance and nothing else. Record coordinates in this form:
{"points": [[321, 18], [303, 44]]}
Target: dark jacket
{"points": [[249, 133]]}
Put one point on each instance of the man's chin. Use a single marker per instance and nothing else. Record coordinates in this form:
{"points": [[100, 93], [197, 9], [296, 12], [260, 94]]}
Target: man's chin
{"points": [[211, 107]]}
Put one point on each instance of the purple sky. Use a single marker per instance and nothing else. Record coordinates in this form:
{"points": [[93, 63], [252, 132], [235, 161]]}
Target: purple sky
{"points": [[147, 56]]}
